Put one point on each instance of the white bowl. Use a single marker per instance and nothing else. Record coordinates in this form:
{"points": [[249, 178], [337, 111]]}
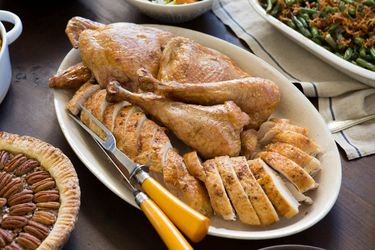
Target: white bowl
{"points": [[294, 105], [7, 38], [172, 13], [361, 74]]}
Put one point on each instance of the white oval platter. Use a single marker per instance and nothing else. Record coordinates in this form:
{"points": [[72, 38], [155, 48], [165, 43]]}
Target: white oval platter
{"points": [[294, 105]]}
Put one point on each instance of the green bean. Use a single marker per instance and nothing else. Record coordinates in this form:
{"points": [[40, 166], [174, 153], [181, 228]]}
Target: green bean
{"points": [[328, 38], [351, 12], [303, 21], [348, 53], [269, 6], [333, 27], [372, 52], [305, 16], [300, 27], [314, 31], [369, 2], [362, 52], [290, 23], [275, 10], [316, 40], [290, 2], [358, 40], [330, 9], [362, 62], [342, 7], [309, 11]]}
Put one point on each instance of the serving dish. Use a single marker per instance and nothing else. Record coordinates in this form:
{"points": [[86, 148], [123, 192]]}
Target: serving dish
{"points": [[348, 68], [303, 114], [7, 38], [172, 13]]}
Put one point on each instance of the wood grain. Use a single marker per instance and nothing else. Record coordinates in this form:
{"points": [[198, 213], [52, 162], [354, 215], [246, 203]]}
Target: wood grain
{"points": [[105, 221]]}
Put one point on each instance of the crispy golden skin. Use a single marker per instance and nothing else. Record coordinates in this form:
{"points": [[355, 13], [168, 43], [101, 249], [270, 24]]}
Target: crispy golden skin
{"points": [[71, 78], [184, 61]]}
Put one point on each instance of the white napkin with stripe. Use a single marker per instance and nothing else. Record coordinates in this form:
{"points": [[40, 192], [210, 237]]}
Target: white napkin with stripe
{"points": [[340, 97]]}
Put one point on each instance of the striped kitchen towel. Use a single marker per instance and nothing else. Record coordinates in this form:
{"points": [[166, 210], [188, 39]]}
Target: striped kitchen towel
{"points": [[340, 97]]}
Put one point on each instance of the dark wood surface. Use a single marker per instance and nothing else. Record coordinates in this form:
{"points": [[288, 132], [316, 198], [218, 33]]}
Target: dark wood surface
{"points": [[105, 221]]}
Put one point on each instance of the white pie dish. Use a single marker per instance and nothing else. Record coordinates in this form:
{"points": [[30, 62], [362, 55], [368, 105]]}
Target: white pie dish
{"points": [[172, 13], [348, 68], [7, 38], [293, 105]]}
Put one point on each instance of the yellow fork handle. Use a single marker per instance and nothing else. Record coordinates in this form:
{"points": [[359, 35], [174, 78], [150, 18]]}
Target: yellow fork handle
{"points": [[192, 223], [172, 238]]}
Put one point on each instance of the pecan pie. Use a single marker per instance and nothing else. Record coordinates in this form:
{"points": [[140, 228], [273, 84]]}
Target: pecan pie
{"points": [[39, 194]]}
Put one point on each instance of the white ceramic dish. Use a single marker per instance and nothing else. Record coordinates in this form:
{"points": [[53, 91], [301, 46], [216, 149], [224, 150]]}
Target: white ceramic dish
{"points": [[293, 105], [7, 38], [172, 13], [352, 70]]}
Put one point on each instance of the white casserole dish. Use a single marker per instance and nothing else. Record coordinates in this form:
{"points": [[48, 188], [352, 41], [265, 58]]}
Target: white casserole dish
{"points": [[348, 68], [7, 38]]}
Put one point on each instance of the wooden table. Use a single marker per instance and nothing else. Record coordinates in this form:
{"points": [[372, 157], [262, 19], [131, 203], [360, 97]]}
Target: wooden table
{"points": [[106, 221]]}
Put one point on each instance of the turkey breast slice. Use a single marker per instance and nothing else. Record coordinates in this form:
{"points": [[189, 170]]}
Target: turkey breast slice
{"points": [[96, 104], [309, 163], [215, 187], [237, 195], [290, 170], [262, 205], [274, 187], [80, 96], [298, 140], [111, 113]]}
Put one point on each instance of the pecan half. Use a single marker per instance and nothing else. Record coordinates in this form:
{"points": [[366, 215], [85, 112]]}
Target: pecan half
{"points": [[6, 235], [22, 209], [14, 186], [15, 162], [43, 185], [48, 205], [44, 217], [3, 202], [37, 176], [5, 178], [13, 222], [28, 241], [26, 167], [38, 230], [22, 197], [13, 246], [45, 196], [4, 158]]}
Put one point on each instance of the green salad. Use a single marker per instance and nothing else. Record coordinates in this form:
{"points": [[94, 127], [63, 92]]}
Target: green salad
{"points": [[344, 27]]}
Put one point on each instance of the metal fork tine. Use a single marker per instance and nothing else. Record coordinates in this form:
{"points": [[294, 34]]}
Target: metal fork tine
{"points": [[97, 122], [87, 129]]}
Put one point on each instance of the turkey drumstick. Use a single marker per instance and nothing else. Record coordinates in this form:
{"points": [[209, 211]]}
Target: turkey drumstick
{"points": [[255, 96], [211, 130]]}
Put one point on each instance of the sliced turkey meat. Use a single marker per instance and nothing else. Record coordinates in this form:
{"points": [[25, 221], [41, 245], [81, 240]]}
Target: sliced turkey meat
{"points": [[237, 195], [81, 95], [262, 205], [274, 187], [309, 163]]}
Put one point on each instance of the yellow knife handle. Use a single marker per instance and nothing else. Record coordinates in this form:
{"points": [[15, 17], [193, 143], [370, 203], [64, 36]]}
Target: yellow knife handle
{"points": [[192, 223], [172, 238]]}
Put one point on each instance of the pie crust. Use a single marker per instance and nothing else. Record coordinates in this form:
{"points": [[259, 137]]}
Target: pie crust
{"points": [[62, 171]]}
